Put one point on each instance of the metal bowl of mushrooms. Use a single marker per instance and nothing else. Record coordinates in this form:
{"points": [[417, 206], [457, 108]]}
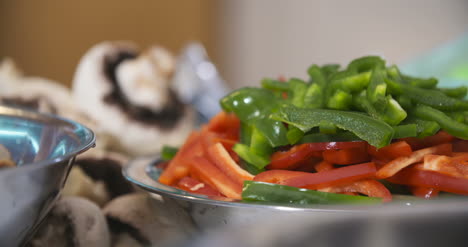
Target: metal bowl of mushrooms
{"points": [[37, 152]]}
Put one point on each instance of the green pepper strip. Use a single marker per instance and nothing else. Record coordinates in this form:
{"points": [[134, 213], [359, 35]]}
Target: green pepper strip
{"points": [[433, 98], [326, 127], [340, 100], [453, 127], [376, 133], [392, 115], [298, 89], [320, 137], [424, 128], [274, 193], [459, 92], [259, 144], [428, 83], [406, 130], [366, 63], [329, 69], [254, 159], [275, 85], [294, 134], [314, 97], [377, 89], [316, 75], [168, 153], [253, 106]]}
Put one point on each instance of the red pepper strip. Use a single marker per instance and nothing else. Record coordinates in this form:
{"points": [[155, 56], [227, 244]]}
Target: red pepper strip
{"points": [[277, 176], [424, 192], [439, 138], [228, 145], [194, 186], [338, 176], [308, 165], [422, 178], [177, 167], [221, 158], [227, 125], [460, 146], [397, 164], [452, 166], [324, 166], [369, 187], [291, 159], [392, 151], [347, 156], [207, 172]]}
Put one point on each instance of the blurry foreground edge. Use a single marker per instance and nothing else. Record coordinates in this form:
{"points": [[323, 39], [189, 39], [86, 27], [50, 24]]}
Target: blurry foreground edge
{"points": [[433, 224]]}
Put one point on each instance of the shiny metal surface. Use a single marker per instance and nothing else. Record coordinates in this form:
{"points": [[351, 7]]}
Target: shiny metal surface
{"points": [[44, 148], [209, 213], [232, 223]]}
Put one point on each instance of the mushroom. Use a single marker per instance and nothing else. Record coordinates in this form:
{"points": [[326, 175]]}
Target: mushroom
{"points": [[74, 222], [147, 220], [44, 95], [97, 176], [129, 95]]}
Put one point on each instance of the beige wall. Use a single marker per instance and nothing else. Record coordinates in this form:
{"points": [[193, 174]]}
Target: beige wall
{"points": [[259, 38], [48, 37]]}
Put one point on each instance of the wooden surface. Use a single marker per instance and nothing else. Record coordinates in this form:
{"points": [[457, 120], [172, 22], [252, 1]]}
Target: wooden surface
{"points": [[47, 38]]}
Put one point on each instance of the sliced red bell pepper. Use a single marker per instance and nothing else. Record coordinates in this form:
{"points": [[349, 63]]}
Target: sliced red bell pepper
{"points": [[277, 176], [194, 186], [397, 164], [338, 176], [460, 146], [431, 179], [439, 138], [221, 158], [308, 165], [177, 167], [424, 192], [298, 153], [392, 151], [324, 166], [347, 156], [202, 169], [369, 187], [227, 125], [291, 159]]}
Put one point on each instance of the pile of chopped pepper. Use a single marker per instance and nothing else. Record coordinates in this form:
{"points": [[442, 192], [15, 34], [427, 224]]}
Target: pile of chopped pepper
{"points": [[359, 134]]}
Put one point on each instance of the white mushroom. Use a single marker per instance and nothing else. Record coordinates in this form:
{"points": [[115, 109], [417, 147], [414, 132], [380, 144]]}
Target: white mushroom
{"points": [[129, 95], [148, 220], [97, 176], [43, 95], [73, 221]]}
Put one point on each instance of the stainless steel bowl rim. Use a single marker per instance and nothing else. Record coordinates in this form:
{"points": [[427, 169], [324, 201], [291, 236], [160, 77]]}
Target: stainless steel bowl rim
{"points": [[144, 165], [19, 112]]}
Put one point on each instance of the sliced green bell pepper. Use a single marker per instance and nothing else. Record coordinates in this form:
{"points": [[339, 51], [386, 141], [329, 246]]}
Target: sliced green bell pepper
{"points": [[405, 130], [168, 153], [253, 106], [274, 193], [458, 92], [453, 127], [376, 133]]}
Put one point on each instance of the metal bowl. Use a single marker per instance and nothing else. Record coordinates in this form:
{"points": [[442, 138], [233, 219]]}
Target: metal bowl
{"points": [[234, 223], [44, 148], [209, 213]]}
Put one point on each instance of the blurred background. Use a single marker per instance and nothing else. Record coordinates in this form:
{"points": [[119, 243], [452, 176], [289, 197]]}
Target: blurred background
{"points": [[247, 40]]}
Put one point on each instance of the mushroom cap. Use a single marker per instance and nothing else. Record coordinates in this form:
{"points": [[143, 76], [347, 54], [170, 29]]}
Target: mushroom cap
{"points": [[139, 127], [73, 221], [149, 220], [97, 176]]}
